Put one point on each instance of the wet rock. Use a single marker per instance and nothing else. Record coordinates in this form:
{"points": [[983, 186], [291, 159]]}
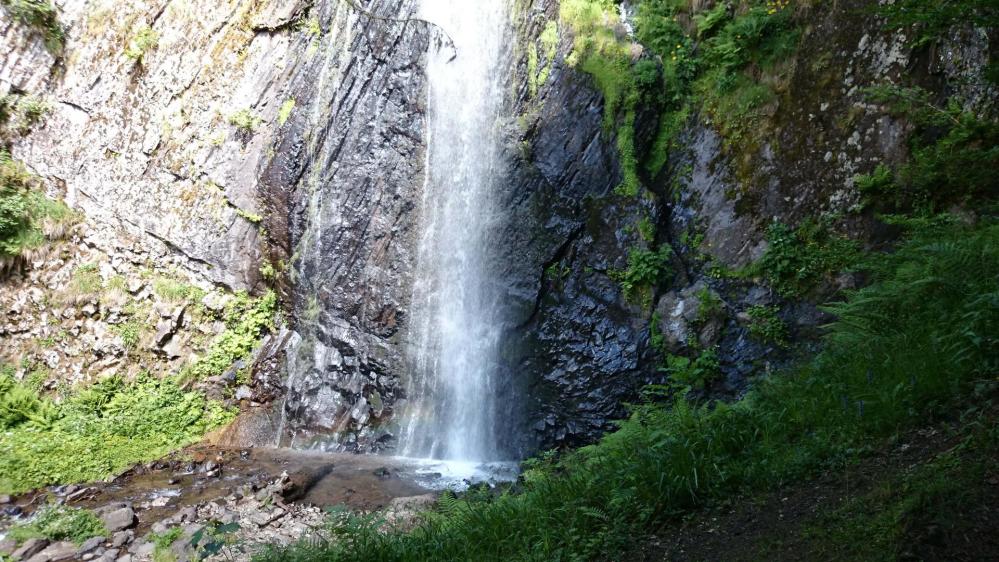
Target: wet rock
{"points": [[7, 546], [119, 519], [4, 499], [30, 548]]}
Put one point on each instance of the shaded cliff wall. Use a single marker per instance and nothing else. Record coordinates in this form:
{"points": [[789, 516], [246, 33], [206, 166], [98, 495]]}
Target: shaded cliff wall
{"points": [[581, 349]]}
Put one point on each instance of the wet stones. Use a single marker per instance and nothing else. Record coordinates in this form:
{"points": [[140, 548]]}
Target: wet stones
{"points": [[117, 518]]}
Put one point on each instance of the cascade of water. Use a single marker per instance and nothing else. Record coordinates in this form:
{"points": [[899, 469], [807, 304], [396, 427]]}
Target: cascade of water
{"points": [[456, 318]]}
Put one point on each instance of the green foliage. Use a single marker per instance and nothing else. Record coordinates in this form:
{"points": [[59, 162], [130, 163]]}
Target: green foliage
{"points": [[102, 429], [720, 71], [903, 351], [130, 333], [59, 523], [933, 18], [20, 404], [23, 209], [599, 52], [709, 305], [766, 326], [162, 541], [245, 120], [797, 260], [954, 156], [142, 41], [882, 520], [693, 373], [41, 15], [646, 268], [246, 321], [173, 290], [215, 538]]}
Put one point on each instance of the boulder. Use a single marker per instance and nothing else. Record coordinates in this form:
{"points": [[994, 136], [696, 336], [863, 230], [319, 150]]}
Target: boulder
{"points": [[119, 519]]}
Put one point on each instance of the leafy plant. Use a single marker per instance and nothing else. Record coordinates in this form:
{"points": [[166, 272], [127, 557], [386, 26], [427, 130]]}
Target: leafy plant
{"points": [[797, 260], [246, 321], [142, 41], [215, 539], [766, 326], [693, 373], [645, 269], [101, 430], [58, 523]]}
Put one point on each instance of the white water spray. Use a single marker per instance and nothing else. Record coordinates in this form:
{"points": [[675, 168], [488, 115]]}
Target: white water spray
{"points": [[456, 318]]}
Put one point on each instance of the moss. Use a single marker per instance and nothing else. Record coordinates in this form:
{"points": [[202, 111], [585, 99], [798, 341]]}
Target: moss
{"points": [[285, 112]]}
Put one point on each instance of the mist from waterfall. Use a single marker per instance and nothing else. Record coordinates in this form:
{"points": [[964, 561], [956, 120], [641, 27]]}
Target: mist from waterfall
{"points": [[456, 312]]}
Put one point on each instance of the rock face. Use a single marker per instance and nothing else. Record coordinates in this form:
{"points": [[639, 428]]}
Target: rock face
{"points": [[355, 167]]}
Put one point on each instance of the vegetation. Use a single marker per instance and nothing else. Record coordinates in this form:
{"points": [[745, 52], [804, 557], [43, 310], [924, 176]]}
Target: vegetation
{"points": [[903, 351], [954, 155], [97, 431], [766, 326], [246, 319], [245, 120], [933, 18], [798, 260], [24, 210], [41, 15], [285, 112], [143, 41], [685, 373], [646, 269], [59, 523]]}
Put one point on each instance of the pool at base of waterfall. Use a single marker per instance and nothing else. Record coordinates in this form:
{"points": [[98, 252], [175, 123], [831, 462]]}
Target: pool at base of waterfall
{"points": [[438, 475]]}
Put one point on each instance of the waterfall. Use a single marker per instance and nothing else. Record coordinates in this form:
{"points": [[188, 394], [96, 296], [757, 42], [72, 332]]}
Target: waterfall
{"points": [[456, 310]]}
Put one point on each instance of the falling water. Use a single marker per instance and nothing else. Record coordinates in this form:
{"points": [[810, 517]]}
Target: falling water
{"points": [[456, 315]]}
